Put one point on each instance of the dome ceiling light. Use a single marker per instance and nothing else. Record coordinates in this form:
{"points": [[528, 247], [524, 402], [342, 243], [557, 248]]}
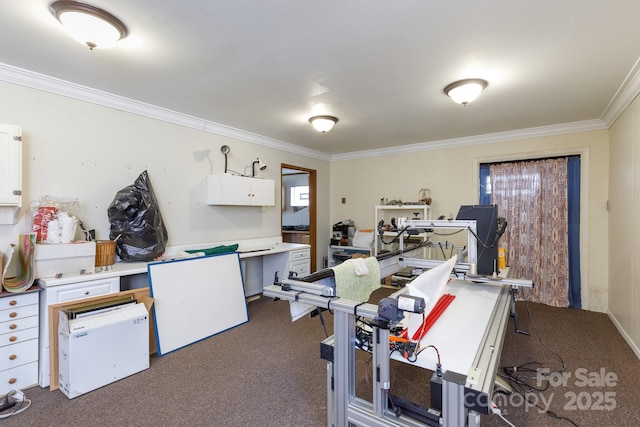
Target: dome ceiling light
{"points": [[465, 91], [88, 24], [323, 123]]}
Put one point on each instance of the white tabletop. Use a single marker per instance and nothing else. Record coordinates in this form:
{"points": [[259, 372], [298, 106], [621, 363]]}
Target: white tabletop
{"points": [[459, 330]]}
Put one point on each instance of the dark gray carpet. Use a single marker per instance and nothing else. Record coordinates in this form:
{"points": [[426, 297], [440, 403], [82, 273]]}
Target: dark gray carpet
{"points": [[268, 373]]}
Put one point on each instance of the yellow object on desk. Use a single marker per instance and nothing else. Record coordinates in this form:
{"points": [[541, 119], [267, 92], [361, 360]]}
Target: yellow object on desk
{"points": [[502, 258]]}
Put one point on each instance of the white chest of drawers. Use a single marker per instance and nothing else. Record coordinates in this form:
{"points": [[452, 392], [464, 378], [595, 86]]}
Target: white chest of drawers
{"points": [[18, 341], [300, 262]]}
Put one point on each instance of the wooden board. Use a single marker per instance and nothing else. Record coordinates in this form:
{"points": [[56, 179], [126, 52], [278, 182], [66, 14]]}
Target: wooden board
{"points": [[195, 298], [141, 295]]}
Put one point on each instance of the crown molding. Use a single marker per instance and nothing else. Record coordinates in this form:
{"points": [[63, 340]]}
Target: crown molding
{"points": [[31, 79], [542, 131], [626, 93]]}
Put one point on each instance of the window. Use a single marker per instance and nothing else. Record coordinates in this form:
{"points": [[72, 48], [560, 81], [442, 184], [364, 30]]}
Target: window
{"points": [[300, 196]]}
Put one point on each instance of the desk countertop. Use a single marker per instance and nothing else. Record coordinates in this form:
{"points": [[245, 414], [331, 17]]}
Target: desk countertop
{"points": [[261, 248]]}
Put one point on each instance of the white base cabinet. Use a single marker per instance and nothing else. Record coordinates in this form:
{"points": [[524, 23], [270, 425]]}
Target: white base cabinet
{"points": [[63, 293], [18, 341], [300, 262]]}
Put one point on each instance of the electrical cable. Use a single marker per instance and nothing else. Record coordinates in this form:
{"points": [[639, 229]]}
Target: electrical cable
{"points": [[19, 407], [395, 238], [324, 326], [564, 366], [453, 233], [496, 411], [506, 420], [519, 383], [483, 244]]}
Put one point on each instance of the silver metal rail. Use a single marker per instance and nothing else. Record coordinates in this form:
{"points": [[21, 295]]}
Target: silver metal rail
{"points": [[460, 397]]}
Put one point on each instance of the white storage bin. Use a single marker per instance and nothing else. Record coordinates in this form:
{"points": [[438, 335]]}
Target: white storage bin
{"points": [[64, 258]]}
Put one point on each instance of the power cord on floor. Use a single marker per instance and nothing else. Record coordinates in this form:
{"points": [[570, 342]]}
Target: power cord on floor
{"points": [[517, 376], [564, 366], [16, 401], [496, 411]]}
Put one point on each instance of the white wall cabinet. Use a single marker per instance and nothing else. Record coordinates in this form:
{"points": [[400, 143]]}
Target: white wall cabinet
{"points": [[226, 189], [18, 341], [10, 173]]}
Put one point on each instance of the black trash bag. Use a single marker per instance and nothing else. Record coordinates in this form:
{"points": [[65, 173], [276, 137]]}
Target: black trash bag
{"points": [[135, 216]]}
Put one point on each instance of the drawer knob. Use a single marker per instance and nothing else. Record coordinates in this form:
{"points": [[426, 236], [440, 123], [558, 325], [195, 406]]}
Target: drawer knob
{"points": [[86, 292], [13, 380], [13, 357], [13, 338], [13, 314], [13, 326], [13, 302]]}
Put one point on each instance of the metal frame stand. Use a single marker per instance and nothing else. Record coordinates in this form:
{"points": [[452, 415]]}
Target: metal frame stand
{"points": [[343, 407], [513, 291]]}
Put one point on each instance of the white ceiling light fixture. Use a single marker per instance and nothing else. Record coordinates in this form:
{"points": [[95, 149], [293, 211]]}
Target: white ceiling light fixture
{"points": [[88, 24], [323, 123], [465, 91]]}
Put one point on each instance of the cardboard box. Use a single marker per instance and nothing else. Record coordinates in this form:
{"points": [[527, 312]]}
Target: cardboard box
{"points": [[64, 258], [140, 295], [100, 349]]}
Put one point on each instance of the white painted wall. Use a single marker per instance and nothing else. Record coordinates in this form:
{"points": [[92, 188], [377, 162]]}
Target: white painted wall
{"points": [[624, 228], [79, 149], [452, 176], [73, 148]]}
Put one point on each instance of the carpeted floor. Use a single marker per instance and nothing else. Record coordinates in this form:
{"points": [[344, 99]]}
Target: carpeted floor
{"points": [[268, 372]]}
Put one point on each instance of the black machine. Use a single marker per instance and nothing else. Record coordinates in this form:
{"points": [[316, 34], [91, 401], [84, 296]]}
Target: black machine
{"points": [[489, 228]]}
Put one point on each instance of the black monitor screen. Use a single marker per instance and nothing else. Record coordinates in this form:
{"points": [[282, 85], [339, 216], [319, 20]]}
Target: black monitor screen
{"points": [[486, 217]]}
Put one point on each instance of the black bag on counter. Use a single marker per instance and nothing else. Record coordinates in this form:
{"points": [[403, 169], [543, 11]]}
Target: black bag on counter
{"points": [[135, 216]]}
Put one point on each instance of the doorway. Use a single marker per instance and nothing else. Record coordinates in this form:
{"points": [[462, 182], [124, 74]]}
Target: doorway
{"points": [[298, 212]]}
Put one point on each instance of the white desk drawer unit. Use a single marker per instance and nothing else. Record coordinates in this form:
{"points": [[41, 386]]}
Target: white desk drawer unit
{"points": [[63, 292], [300, 262], [18, 336], [18, 341], [19, 324]]}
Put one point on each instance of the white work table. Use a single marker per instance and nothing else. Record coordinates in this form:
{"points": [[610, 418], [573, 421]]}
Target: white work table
{"points": [[458, 332], [469, 336]]}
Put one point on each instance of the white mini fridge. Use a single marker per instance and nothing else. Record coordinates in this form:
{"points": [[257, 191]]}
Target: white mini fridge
{"points": [[99, 349]]}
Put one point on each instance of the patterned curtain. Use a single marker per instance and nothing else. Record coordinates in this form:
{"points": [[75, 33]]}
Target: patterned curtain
{"points": [[532, 196]]}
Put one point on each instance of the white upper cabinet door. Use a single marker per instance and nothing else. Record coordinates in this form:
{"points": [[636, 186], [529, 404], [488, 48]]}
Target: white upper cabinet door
{"points": [[262, 192], [225, 189], [10, 165]]}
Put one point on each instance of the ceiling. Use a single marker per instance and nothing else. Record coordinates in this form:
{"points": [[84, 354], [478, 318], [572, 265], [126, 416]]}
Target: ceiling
{"points": [[265, 66]]}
